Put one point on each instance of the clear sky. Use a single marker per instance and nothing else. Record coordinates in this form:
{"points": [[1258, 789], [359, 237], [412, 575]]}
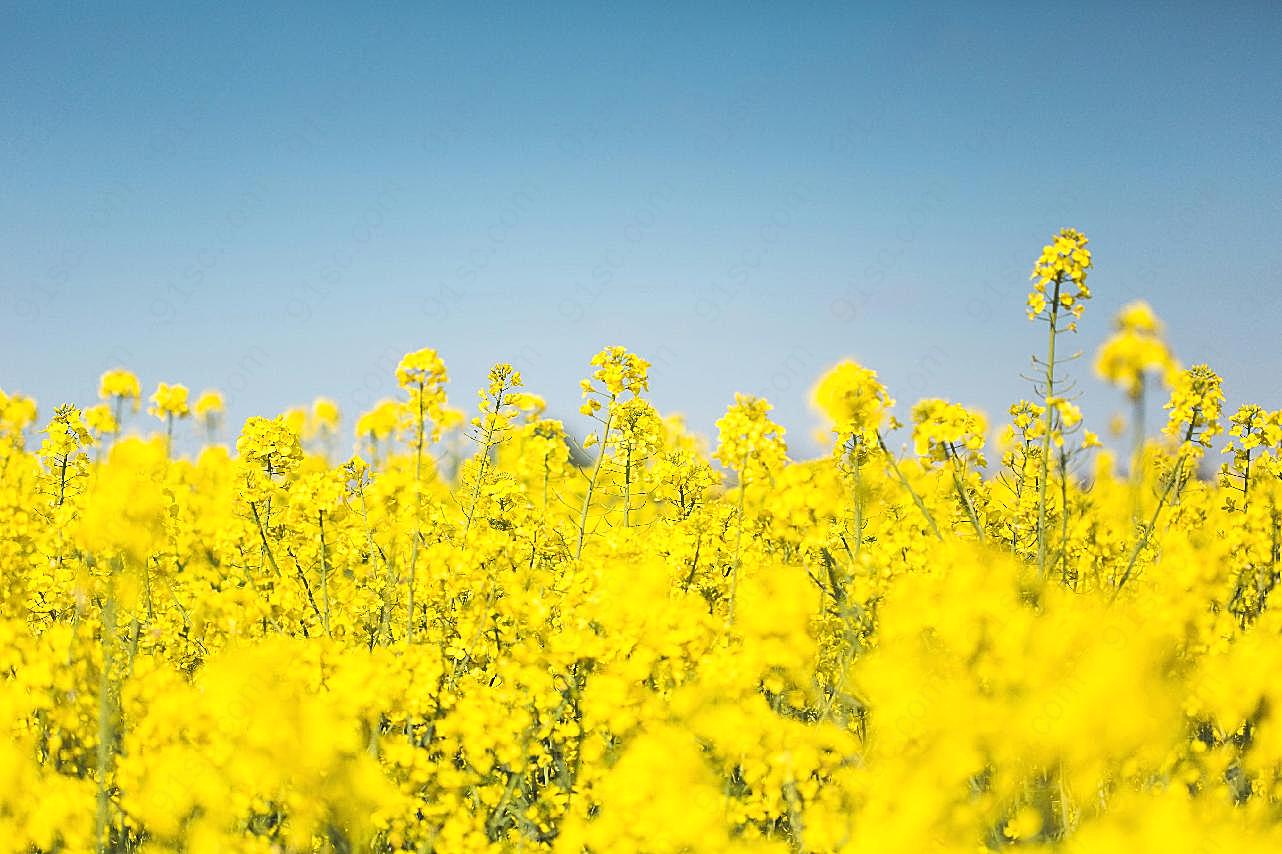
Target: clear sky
{"points": [[279, 201]]}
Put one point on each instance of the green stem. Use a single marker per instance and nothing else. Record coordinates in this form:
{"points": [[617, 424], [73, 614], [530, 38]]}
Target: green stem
{"points": [[1063, 515], [859, 502], [1148, 528], [106, 716], [627, 489], [418, 499], [320, 517], [1050, 423], [1161, 502], [738, 543], [486, 446], [921, 505], [596, 473], [959, 473], [409, 610], [118, 414], [1137, 451]]}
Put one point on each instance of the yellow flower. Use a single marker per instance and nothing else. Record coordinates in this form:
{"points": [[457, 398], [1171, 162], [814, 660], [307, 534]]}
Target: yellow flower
{"points": [[1195, 404], [17, 412], [853, 401], [422, 369], [423, 375], [617, 371], [100, 420], [944, 430], [210, 403], [269, 445], [1135, 350], [120, 384], [748, 441], [381, 421], [169, 401], [1064, 263]]}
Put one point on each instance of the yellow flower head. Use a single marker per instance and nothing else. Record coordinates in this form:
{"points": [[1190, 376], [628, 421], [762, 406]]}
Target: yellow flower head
{"points": [[269, 445], [1135, 350], [1062, 267], [65, 433], [748, 440], [1028, 419], [640, 428], [121, 384], [544, 451], [296, 418], [531, 404], [381, 421], [617, 371], [422, 374], [17, 412], [1195, 405], [210, 403], [101, 420], [325, 416], [502, 378], [853, 401], [1254, 431], [1138, 316], [944, 430], [422, 369], [169, 401], [497, 403]]}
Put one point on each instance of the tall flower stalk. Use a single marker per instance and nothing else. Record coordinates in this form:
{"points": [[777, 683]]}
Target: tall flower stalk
{"points": [[496, 411], [422, 374], [1195, 405], [856, 406], [617, 373], [1126, 360], [752, 446], [169, 403], [1059, 285]]}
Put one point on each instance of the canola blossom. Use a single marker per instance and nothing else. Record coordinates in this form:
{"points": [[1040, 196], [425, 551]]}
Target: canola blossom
{"points": [[645, 641]]}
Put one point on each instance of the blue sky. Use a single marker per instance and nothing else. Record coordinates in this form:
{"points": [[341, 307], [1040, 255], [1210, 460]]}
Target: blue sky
{"points": [[280, 201]]}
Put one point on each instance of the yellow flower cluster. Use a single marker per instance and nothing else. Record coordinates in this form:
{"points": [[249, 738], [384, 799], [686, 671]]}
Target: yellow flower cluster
{"points": [[749, 442], [1063, 264], [1195, 404], [169, 401], [210, 403], [1135, 350], [944, 430], [422, 374], [121, 385], [855, 402], [617, 371], [1256, 438], [17, 413], [484, 637]]}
